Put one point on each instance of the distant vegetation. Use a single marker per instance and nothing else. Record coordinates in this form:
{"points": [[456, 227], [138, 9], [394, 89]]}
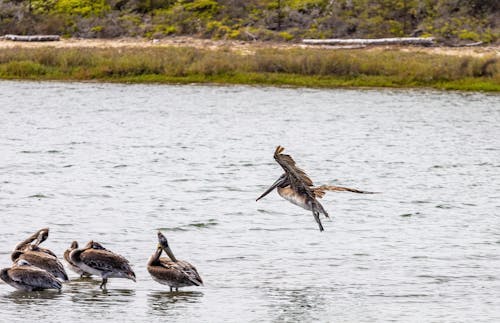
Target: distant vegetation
{"points": [[453, 21], [294, 67]]}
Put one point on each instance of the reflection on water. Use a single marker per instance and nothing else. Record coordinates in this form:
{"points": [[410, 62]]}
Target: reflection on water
{"points": [[86, 290], [116, 163], [33, 298], [171, 302]]}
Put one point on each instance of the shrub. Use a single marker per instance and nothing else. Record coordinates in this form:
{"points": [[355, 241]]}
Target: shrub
{"points": [[83, 8]]}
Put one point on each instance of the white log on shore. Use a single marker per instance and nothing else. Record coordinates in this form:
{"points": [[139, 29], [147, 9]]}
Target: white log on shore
{"points": [[32, 37], [378, 41]]}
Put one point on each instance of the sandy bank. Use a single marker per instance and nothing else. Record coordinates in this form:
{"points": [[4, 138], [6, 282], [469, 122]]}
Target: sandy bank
{"points": [[241, 46]]}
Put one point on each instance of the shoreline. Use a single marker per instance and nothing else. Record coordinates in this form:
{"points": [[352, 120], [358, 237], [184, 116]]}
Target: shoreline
{"points": [[185, 60], [242, 46]]}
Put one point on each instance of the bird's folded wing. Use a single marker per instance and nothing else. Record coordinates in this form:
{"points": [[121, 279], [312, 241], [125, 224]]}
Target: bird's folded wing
{"points": [[180, 270], [104, 260], [190, 272], [34, 277]]}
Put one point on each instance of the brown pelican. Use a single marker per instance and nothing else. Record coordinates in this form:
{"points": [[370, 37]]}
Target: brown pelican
{"points": [[72, 265], [41, 235], [295, 186], [96, 260], [37, 256], [172, 272], [33, 255], [22, 275]]}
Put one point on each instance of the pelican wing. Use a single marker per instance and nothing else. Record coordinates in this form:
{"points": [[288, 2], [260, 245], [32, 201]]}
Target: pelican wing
{"points": [[321, 190], [34, 277], [288, 165], [47, 251], [104, 260], [297, 177], [46, 262], [191, 272], [181, 271]]}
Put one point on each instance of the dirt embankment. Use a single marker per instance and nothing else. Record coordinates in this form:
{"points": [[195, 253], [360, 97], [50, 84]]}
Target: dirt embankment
{"points": [[241, 46]]}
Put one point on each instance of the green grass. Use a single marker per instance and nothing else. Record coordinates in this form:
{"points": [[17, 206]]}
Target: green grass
{"points": [[281, 67]]}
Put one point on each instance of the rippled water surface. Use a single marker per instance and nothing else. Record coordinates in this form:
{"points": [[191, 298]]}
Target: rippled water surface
{"points": [[116, 163]]}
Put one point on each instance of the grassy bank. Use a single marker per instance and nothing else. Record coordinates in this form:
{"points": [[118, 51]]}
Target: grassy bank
{"points": [[291, 67]]}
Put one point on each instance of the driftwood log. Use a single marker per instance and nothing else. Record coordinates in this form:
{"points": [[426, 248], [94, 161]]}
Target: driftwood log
{"points": [[32, 38], [379, 41]]}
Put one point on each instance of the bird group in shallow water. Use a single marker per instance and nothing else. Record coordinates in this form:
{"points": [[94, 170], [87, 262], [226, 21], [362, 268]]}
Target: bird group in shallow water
{"points": [[37, 268], [34, 268]]}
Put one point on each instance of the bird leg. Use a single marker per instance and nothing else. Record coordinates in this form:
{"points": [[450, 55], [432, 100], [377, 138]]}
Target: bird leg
{"points": [[103, 284], [322, 210], [316, 216]]}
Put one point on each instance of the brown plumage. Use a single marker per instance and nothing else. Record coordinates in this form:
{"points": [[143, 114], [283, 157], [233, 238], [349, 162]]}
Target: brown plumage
{"points": [[36, 257], [172, 272], [320, 191], [296, 186], [71, 264], [22, 275], [97, 260]]}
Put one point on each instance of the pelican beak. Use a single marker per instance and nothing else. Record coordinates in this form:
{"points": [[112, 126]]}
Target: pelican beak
{"points": [[131, 275], [38, 241], [280, 181], [169, 253]]}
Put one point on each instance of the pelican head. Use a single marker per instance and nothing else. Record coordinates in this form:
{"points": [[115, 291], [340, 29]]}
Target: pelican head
{"points": [[280, 182], [97, 246], [163, 243], [43, 234], [93, 245]]}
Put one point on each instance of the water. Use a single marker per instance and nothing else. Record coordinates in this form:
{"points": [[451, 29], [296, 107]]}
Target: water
{"points": [[116, 163]]}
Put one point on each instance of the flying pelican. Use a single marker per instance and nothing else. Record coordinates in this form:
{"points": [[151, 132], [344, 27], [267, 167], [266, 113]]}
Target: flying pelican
{"points": [[96, 260], [172, 272], [72, 265], [41, 235], [22, 275], [296, 187]]}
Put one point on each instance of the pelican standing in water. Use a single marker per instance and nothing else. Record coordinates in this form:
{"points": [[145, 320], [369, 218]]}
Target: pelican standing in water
{"points": [[22, 275], [40, 257], [71, 264], [296, 187], [96, 260], [172, 272]]}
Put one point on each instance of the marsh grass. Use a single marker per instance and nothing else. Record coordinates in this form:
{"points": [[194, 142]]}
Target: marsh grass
{"points": [[291, 67]]}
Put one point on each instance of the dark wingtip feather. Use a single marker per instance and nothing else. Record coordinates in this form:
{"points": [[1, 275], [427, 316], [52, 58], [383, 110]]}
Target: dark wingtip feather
{"points": [[57, 284]]}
